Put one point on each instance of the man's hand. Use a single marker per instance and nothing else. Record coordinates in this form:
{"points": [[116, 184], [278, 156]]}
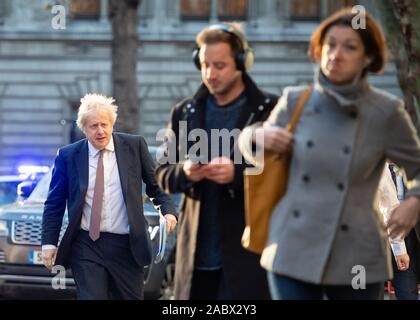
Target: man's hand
{"points": [[193, 171], [48, 257], [220, 170], [404, 218], [276, 139], [170, 222], [403, 261]]}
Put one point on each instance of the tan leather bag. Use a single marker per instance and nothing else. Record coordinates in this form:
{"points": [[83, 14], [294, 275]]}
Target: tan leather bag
{"points": [[263, 191]]}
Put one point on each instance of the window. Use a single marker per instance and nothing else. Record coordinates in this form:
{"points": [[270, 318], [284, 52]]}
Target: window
{"points": [[205, 9], [334, 5], [231, 10], [305, 9], [195, 9], [85, 9]]}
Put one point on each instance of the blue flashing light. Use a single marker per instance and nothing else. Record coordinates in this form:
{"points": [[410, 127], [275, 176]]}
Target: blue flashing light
{"points": [[31, 169]]}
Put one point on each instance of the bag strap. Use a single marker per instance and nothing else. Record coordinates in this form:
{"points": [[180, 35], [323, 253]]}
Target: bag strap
{"points": [[299, 107]]}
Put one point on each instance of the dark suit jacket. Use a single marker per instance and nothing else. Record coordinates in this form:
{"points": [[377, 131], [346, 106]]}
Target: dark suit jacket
{"points": [[69, 184]]}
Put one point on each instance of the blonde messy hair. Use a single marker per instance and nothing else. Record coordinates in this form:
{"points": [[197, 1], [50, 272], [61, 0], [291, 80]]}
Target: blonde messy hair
{"points": [[93, 102]]}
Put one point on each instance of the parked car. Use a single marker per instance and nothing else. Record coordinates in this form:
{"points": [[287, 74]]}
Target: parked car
{"points": [[21, 271], [8, 186]]}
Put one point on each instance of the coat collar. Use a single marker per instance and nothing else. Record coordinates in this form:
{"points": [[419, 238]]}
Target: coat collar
{"points": [[346, 96], [94, 151], [124, 161], [257, 102]]}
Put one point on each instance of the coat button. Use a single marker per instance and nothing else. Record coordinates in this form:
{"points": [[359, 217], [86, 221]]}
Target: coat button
{"points": [[340, 186], [188, 105], [306, 178], [267, 100], [344, 227], [296, 213], [310, 144], [346, 150], [353, 114], [192, 110], [261, 107], [317, 109]]}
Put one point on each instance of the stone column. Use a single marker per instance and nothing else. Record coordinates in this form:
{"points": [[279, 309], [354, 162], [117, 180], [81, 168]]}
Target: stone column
{"points": [[103, 13], [172, 12], [159, 10], [324, 9], [265, 12], [271, 11], [21, 13], [213, 11], [2, 12]]}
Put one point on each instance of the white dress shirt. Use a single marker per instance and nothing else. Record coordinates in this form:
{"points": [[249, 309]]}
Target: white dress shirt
{"points": [[114, 218]]}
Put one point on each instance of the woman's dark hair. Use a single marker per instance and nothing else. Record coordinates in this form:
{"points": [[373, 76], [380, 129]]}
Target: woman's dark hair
{"points": [[372, 37]]}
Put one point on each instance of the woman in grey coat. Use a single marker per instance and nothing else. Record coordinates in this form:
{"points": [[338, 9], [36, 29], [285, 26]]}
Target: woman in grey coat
{"points": [[325, 236]]}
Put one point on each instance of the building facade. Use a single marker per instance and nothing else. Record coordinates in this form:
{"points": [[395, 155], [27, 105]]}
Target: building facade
{"points": [[44, 71]]}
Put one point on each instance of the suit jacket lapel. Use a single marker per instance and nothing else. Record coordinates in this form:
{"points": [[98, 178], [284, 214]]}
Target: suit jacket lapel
{"points": [[81, 160], [124, 162]]}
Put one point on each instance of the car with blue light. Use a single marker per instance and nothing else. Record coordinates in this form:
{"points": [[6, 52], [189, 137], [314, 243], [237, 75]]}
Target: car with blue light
{"points": [[26, 178]]}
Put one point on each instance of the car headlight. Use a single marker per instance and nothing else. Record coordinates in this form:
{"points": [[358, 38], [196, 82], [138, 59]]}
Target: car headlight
{"points": [[4, 232]]}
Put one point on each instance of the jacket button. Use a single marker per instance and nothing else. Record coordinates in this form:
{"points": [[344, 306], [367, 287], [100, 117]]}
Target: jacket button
{"points": [[261, 107], [296, 213], [310, 144], [353, 114], [267, 100], [188, 105], [346, 150], [306, 178], [344, 227], [192, 110], [340, 186]]}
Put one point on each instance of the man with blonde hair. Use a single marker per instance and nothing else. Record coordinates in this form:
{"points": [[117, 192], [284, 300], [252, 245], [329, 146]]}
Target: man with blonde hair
{"points": [[106, 243]]}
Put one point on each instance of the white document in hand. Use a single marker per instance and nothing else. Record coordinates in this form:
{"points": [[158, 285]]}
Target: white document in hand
{"points": [[162, 239]]}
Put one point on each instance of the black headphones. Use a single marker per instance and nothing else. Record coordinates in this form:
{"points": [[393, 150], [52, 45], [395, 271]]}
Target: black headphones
{"points": [[243, 59]]}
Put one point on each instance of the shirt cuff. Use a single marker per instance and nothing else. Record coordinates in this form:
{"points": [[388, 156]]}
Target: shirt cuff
{"points": [[48, 247], [398, 247]]}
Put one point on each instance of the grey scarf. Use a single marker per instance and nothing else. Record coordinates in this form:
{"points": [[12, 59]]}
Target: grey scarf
{"points": [[346, 96]]}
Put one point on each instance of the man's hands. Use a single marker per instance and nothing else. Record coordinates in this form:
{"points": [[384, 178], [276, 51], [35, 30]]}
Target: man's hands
{"points": [[403, 261], [48, 257], [194, 171], [220, 170], [404, 218], [170, 222]]}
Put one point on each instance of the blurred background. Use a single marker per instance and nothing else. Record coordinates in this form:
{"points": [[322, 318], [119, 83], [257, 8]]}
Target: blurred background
{"points": [[54, 52]]}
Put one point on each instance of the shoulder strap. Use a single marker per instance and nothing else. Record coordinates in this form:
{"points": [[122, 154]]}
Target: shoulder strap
{"points": [[300, 104]]}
